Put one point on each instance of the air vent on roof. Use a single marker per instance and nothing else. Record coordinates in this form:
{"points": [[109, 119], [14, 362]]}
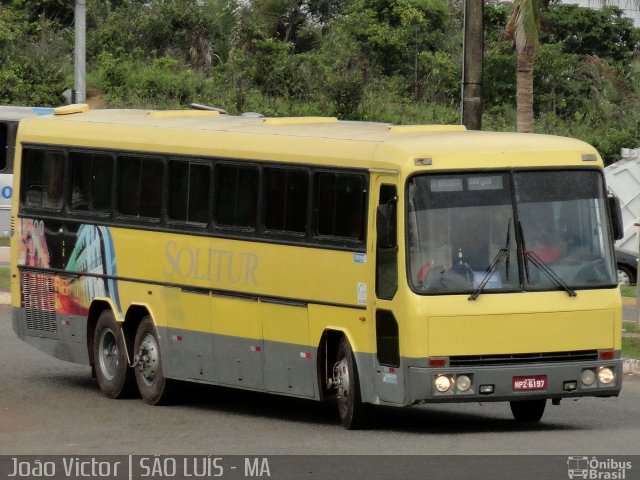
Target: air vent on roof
{"points": [[298, 120], [209, 108], [183, 113], [426, 128], [71, 109]]}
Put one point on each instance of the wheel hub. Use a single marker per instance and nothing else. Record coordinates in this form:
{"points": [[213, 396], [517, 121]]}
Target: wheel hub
{"points": [[341, 378], [147, 359], [108, 354]]}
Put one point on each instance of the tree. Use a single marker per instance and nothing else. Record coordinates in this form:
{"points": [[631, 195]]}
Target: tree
{"points": [[581, 30], [523, 27], [605, 33]]}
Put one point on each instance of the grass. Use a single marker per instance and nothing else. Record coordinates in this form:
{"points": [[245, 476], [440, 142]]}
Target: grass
{"points": [[4, 241], [5, 283], [628, 291], [631, 348], [631, 327]]}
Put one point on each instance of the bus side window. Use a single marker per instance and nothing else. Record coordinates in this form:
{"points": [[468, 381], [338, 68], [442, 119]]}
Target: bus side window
{"points": [[286, 199], [387, 245], [341, 201], [42, 178], [91, 177], [236, 190], [101, 182], [189, 190], [140, 186]]}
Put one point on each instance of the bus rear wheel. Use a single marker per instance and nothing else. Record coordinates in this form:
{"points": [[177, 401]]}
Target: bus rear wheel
{"points": [[354, 414], [528, 410], [115, 378], [154, 387]]}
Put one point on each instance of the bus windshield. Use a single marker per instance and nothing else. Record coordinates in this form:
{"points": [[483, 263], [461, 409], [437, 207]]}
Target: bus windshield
{"points": [[508, 231]]}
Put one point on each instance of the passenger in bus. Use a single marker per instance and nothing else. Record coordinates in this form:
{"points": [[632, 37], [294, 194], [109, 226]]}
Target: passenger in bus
{"points": [[543, 248]]}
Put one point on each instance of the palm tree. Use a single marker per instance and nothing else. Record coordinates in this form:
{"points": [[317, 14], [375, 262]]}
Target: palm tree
{"points": [[523, 27]]}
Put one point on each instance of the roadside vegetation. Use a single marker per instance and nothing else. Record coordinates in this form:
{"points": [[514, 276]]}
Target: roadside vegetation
{"points": [[631, 348], [628, 290], [383, 60], [631, 327], [5, 284]]}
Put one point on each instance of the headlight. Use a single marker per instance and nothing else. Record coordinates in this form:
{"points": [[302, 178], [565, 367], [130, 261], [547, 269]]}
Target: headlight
{"points": [[588, 377], [463, 383], [443, 383], [606, 375]]}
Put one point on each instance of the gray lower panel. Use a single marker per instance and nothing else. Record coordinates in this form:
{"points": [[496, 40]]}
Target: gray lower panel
{"points": [[240, 362], [291, 369], [381, 384], [61, 336]]}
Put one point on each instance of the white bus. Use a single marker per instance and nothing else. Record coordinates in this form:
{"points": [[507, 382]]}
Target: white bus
{"points": [[9, 117]]}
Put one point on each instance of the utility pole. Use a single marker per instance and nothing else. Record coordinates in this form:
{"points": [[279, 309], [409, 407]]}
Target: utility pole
{"points": [[473, 53], [80, 64]]}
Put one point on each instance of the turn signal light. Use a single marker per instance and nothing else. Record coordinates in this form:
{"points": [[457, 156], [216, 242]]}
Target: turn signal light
{"points": [[438, 362], [606, 354]]}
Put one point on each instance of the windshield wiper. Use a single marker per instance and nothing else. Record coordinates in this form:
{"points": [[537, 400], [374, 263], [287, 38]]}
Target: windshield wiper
{"points": [[502, 253], [547, 270]]}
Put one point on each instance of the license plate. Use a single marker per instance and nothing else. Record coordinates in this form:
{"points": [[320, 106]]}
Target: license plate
{"points": [[533, 382]]}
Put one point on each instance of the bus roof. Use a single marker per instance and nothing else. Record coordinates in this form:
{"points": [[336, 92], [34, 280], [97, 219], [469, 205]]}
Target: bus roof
{"points": [[317, 140], [10, 112]]}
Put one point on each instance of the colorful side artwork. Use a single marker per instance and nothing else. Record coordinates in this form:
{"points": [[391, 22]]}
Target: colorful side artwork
{"points": [[88, 251]]}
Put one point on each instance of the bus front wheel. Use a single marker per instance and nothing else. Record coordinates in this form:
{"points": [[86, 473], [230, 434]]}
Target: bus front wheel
{"points": [[528, 410], [353, 412], [154, 387], [114, 376]]}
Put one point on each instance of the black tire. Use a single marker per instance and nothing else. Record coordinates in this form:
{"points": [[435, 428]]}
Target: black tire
{"points": [[154, 387], [354, 414], [528, 410], [628, 272], [115, 378]]}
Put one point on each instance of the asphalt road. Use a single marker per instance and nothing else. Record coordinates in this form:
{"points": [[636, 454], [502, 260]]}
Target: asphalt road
{"points": [[52, 407]]}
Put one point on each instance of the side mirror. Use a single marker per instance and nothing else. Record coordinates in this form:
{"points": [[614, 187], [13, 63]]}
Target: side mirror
{"points": [[615, 213], [386, 225]]}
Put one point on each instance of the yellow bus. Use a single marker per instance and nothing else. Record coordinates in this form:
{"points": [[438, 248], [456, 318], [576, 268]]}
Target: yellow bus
{"points": [[369, 263]]}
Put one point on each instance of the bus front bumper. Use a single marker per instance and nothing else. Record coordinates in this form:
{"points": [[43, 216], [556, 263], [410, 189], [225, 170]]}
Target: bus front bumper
{"points": [[518, 382]]}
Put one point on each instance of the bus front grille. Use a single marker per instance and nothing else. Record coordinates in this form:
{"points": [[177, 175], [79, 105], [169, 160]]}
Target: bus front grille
{"points": [[523, 358], [39, 302]]}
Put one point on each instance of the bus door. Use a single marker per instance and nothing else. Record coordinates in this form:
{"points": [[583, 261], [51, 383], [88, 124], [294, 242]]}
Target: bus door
{"points": [[388, 380]]}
